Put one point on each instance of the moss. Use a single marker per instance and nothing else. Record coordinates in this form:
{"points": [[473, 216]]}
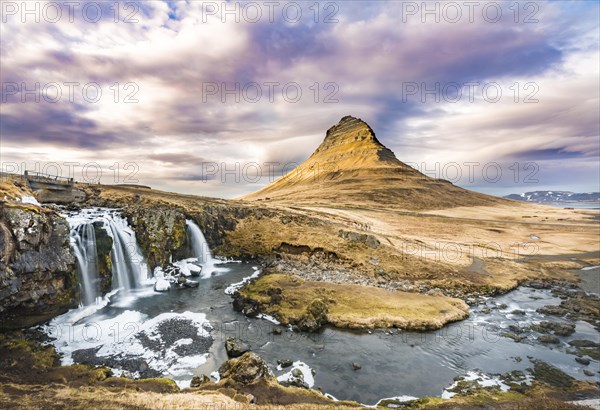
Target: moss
{"points": [[592, 352], [550, 375]]}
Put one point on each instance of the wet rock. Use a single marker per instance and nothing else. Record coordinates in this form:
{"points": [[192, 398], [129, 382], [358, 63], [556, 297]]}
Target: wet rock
{"points": [[277, 330], [191, 284], [38, 275], [588, 372], [582, 360], [539, 285], [247, 369], [356, 366], [583, 343], [517, 338], [235, 347], [518, 312], [550, 375], [247, 306], [549, 339], [198, 381], [285, 363], [295, 380], [559, 329], [160, 232]]}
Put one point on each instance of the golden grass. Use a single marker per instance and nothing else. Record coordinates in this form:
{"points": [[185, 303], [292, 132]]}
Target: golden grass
{"points": [[355, 306]]}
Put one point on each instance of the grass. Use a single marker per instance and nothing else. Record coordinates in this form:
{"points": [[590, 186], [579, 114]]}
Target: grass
{"points": [[353, 306]]}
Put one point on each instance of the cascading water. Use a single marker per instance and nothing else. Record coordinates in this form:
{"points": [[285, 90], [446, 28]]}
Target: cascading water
{"points": [[128, 266], [200, 248], [83, 241], [129, 269]]}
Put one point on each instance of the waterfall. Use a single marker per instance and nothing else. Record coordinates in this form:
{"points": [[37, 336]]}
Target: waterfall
{"points": [[129, 269], [128, 265], [200, 248], [83, 242]]}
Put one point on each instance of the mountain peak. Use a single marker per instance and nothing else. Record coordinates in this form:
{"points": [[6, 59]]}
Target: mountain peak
{"points": [[354, 141], [348, 130], [352, 167]]}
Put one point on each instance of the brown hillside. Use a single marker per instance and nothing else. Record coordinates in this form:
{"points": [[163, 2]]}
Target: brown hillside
{"points": [[351, 167]]}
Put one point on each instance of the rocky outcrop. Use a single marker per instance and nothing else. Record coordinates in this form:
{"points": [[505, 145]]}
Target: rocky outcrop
{"points": [[160, 231], [38, 278], [248, 369], [103, 248]]}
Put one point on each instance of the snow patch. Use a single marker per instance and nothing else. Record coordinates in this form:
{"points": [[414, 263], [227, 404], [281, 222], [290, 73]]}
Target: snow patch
{"points": [[26, 199], [231, 289], [269, 318], [482, 379], [306, 373]]}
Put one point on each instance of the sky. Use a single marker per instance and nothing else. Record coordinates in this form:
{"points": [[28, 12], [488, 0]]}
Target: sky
{"points": [[221, 98]]}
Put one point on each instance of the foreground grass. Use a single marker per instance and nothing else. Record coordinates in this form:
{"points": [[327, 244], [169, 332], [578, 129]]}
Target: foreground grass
{"points": [[291, 299]]}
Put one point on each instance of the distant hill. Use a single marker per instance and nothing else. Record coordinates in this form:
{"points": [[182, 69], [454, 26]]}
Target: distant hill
{"points": [[351, 167], [555, 196]]}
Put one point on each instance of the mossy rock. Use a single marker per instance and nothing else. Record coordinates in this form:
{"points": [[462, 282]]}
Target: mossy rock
{"points": [[551, 375]]}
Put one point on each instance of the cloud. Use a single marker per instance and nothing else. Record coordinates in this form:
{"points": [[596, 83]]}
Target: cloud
{"points": [[166, 60]]}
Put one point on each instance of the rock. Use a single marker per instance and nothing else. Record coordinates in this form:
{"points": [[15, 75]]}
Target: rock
{"points": [[285, 363], [247, 369], [518, 312], [162, 285], [559, 329], [38, 274], [548, 374], [582, 360], [315, 316], [198, 381], [191, 284], [368, 240], [517, 338], [235, 347], [160, 231], [195, 271], [549, 339], [356, 366], [583, 343], [277, 330], [296, 380], [588, 373]]}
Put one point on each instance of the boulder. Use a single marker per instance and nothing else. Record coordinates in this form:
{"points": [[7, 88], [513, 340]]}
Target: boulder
{"points": [[161, 285], [247, 369], [198, 381], [235, 347], [315, 316], [549, 339], [285, 363]]}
